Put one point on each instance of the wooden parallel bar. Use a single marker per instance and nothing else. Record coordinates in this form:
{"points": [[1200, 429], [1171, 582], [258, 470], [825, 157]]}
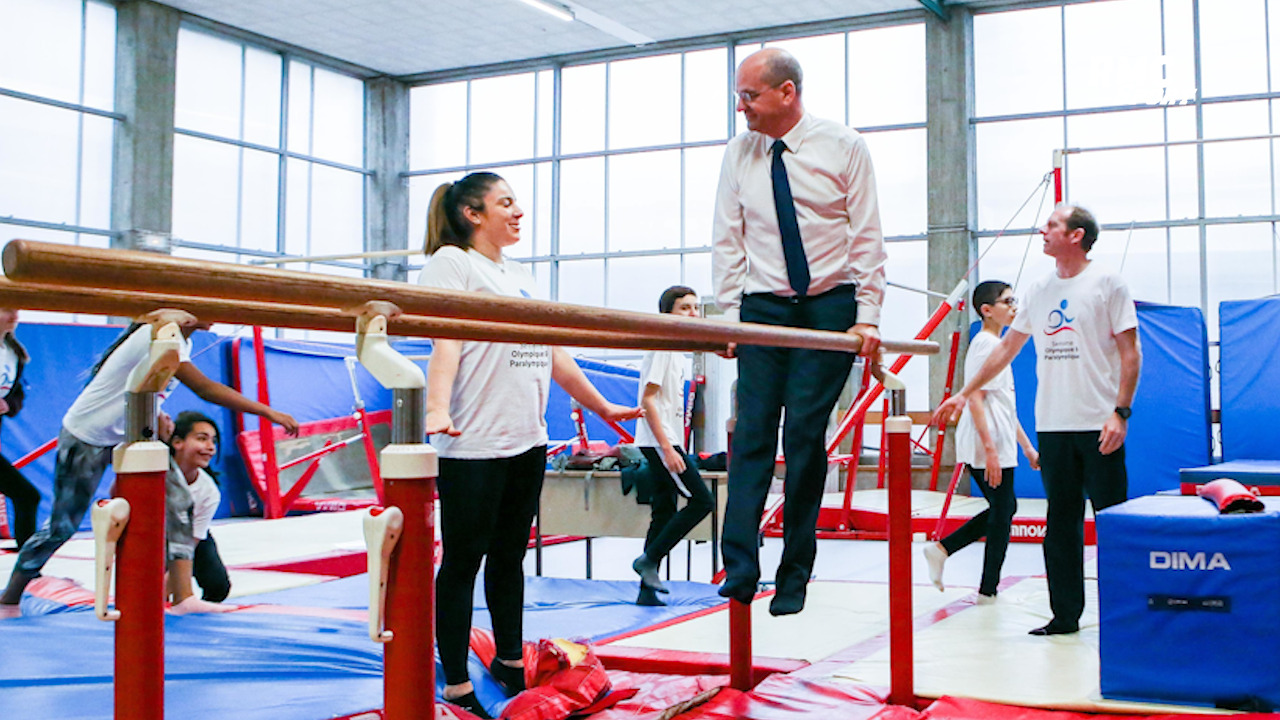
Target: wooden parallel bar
{"points": [[136, 271], [242, 312]]}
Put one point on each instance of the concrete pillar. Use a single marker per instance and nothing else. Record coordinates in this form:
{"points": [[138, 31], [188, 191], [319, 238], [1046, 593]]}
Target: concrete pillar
{"points": [[952, 173], [146, 75], [387, 190], [952, 200]]}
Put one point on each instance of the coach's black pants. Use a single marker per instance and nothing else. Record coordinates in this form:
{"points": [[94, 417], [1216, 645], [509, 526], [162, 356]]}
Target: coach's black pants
{"points": [[1071, 468]]}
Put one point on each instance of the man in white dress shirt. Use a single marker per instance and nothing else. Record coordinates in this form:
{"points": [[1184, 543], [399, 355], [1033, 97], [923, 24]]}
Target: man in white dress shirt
{"points": [[797, 242]]}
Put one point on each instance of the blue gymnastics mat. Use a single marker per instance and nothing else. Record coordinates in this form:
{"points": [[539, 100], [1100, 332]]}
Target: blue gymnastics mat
{"points": [[553, 607], [262, 665], [1246, 472]]}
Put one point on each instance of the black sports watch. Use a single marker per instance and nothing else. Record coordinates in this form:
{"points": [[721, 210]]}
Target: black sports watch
{"points": [[1124, 412]]}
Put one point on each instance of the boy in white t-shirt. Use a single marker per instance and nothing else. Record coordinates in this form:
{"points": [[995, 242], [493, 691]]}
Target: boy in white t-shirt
{"points": [[986, 440], [1087, 366], [659, 435], [95, 424]]}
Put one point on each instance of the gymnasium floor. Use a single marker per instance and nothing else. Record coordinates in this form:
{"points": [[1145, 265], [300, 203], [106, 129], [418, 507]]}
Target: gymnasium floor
{"points": [[962, 649]]}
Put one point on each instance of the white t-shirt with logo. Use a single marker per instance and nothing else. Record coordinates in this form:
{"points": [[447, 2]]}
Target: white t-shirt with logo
{"points": [[205, 497], [97, 415], [500, 394], [1001, 407], [666, 370], [1075, 322]]}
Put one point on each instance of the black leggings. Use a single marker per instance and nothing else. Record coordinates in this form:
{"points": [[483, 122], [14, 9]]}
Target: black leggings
{"points": [[486, 511], [208, 570], [992, 523], [25, 497], [667, 526]]}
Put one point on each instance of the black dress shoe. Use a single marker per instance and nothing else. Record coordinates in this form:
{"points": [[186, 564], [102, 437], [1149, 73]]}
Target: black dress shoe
{"points": [[786, 603], [1055, 629], [742, 593]]}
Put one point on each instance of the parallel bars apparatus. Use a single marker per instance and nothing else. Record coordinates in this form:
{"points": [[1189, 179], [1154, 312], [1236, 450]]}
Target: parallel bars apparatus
{"points": [[70, 279]]}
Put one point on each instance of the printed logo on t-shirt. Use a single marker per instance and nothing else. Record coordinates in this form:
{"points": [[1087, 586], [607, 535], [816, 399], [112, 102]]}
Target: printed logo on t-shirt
{"points": [[530, 356], [1058, 320], [6, 382], [1062, 345]]}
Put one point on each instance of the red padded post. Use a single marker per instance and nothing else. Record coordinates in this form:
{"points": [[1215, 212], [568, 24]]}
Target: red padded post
{"points": [[140, 563], [901, 652], [409, 687]]}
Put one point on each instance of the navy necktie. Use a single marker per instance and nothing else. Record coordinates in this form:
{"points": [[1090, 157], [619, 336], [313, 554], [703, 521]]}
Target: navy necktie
{"points": [[792, 247]]}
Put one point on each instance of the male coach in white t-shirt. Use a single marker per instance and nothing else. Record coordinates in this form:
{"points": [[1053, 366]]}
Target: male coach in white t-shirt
{"points": [[1087, 364]]}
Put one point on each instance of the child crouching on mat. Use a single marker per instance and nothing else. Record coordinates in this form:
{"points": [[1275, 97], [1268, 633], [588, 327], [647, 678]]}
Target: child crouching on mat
{"points": [[191, 499], [95, 424]]}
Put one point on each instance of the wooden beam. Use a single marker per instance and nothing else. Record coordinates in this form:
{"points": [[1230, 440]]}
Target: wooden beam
{"points": [[135, 271], [242, 312]]}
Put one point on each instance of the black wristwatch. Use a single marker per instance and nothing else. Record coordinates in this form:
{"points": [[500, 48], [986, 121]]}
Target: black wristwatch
{"points": [[1124, 412]]}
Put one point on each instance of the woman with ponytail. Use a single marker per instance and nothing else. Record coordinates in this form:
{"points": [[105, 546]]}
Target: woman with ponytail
{"points": [[486, 407]]}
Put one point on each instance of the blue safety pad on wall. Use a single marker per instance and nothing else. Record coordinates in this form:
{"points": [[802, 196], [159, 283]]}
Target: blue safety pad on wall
{"points": [[618, 384], [61, 357], [308, 380], [1170, 428], [1249, 336], [1187, 603]]}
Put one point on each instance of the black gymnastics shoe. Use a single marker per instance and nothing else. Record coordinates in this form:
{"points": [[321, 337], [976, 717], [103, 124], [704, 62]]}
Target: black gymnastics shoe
{"points": [[471, 704], [1054, 628], [511, 679], [649, 598]]}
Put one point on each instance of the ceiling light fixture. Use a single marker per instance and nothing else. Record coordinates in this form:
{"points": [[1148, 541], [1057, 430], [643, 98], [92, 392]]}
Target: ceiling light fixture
{"points": [[554, 9]]}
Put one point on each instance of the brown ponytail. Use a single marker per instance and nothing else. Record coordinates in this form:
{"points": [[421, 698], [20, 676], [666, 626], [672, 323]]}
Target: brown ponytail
{"points": [[447, 224]]}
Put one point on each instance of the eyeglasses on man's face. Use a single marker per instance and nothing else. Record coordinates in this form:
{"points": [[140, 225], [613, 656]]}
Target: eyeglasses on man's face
{"points": [[750, 96]]}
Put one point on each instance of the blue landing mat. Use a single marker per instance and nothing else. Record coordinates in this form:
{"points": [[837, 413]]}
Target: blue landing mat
{"points": [[241, 665], [553, 607], [1247, 472], [263, 666]]}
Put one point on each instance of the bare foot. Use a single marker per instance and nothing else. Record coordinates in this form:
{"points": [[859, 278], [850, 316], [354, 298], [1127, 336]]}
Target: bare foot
{"points": [[10, 611], [193, 605]]}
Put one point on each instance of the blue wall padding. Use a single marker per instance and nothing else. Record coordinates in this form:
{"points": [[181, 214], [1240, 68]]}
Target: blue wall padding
{"points": [[1249, 333], [308, 380], [1176, 624], [61, 356], [617, 384], [1170, 428]]}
